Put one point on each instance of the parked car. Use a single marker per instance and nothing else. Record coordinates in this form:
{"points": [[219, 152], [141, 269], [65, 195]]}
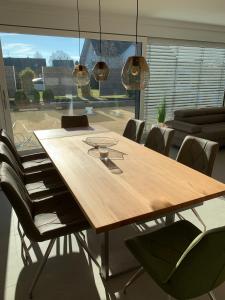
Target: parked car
{"points": [[38, 84]]}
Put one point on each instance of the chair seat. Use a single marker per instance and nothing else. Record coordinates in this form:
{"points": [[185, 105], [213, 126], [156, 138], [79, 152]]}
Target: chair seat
{"points": [[61, 218], [159, 251], [42, 188], [37, 165], [32, 156]]}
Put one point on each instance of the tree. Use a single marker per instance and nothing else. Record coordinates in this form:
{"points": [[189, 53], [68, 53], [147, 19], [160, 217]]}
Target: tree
{"points": [[26, 77], [59, 55], [48, 96], [21, 98], [38, 55]]}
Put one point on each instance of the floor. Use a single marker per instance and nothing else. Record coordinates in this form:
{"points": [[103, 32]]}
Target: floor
{"points": [[69, 274]]}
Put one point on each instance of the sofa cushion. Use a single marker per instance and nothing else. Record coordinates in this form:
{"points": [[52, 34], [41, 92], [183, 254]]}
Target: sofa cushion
{"points": [[183, 113], [207, 119], [184, 126]]}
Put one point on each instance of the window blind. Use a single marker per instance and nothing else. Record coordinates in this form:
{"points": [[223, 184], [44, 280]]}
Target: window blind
{"points": [[185, 77]]}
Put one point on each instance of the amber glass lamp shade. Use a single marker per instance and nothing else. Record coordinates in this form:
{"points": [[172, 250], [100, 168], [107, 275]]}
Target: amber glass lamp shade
{"points": [[101, 71], [135, 74], [81, 75]]}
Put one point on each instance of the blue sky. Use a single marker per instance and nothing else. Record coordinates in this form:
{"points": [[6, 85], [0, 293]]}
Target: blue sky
{"points": [[23, 45]]}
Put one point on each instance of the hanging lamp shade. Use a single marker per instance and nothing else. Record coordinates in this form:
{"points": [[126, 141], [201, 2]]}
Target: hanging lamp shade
{"points": [[101, 71], [135, 74], [81, 75]]}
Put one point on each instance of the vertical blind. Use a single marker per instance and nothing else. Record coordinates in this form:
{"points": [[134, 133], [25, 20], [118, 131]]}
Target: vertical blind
{"points": [[185, 76]]}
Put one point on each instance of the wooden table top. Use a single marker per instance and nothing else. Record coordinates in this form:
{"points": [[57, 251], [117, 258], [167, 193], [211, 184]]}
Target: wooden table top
{"points": [[144, 184], [66, 132]]}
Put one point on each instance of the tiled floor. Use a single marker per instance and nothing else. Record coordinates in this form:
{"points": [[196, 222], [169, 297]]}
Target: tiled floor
{"points": [[70, 275]]}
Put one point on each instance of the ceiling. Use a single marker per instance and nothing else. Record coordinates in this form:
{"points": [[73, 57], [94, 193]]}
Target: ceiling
{"points": [[201, 11]]}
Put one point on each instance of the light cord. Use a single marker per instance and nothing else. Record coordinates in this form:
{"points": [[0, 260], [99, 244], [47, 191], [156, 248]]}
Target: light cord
{"points": [[137, 16], [100, 28], [78, 25]]}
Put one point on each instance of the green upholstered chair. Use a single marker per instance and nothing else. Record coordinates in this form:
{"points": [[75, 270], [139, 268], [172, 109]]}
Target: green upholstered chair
{"points": [[160, 139], [198, 154], [182, 260], [134, 130]]}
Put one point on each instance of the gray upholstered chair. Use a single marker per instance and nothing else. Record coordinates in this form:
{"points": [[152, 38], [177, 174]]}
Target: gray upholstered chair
{"points": [[74, 121], [41, 183], [134, 130], [41, 222], [198, 154], [160, 139], [31, 162], [182, 260]]}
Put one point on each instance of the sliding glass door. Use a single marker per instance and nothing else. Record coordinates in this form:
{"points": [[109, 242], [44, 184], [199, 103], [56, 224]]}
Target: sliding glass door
{"points": [[40, 87], [5, 121]]}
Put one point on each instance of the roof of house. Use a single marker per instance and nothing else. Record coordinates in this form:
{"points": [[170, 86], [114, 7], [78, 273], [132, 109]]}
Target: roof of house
{"points": [[109, 48]]}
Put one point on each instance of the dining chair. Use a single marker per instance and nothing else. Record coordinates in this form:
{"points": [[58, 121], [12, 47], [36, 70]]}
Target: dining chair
{"points": [[134, 130], [41, 222], [160, 139], [31, 162], [41, 183], [198, 154], [182, 260], [74, 121]]}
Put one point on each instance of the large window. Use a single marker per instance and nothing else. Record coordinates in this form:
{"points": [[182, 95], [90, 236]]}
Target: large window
{"points": [[185, 76], [41, 88]]}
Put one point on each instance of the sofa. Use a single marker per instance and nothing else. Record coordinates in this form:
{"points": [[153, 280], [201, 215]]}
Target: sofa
{"points": [[208, 123]]}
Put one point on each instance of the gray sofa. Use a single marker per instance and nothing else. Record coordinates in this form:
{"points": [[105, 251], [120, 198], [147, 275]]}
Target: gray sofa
{"points": [[208, 123]]}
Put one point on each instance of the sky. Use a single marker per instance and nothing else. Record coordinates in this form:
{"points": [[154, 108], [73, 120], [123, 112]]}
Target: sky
{"points": [[24, 45]]}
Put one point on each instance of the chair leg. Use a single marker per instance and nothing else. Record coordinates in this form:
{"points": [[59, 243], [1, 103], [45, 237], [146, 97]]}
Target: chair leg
{"points": [[133, 278], [44, 260], [84, 245], [212, 295], [199, 218]]}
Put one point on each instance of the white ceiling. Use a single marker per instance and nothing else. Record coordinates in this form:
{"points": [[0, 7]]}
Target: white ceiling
{"points": [[201, 11]]}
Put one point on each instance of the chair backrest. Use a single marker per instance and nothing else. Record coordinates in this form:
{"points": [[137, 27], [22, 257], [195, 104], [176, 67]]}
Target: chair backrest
{"points": [[18, 196], [5, 138], [160, 139], [7, 156], [134, 130], [74, 121], [202, 267], [198, 154]]}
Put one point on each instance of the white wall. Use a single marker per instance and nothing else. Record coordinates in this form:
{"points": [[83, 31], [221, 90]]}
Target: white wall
{"points": [[52, 17]]}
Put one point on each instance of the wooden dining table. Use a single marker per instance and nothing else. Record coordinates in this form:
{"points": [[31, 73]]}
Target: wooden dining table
{"points": [[133, 184]]}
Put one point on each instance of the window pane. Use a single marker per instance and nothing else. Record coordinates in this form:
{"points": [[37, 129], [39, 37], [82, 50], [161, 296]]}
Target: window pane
{"points": [[41, 87], [184, 77]]}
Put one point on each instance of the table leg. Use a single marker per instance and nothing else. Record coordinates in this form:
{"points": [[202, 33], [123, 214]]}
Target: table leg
{"points": [[104, 271], [170, 219]]}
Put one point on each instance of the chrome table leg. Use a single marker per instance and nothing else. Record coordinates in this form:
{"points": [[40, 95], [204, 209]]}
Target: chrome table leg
{"points": [[170, 219], [104, 270]]}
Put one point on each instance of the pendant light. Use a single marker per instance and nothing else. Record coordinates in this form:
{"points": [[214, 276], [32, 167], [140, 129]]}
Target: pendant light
{"points": [[100, 70], [135, 74], [80, 72]]}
